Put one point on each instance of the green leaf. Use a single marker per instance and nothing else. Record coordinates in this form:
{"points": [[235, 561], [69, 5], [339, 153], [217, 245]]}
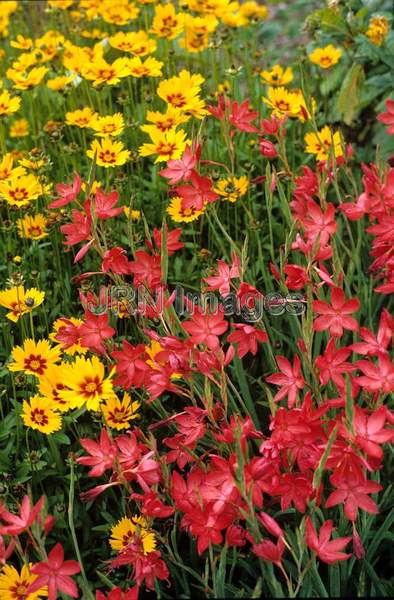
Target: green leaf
{"points": [[322, 462], [348, 102]]}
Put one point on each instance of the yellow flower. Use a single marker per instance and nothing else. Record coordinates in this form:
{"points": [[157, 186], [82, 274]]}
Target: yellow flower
{"points": [[277, 75], [283, 102], [233, 17], [26, 81], [94, 34], [182, 92], [20, 301], [100, 72], [13, 585], [167, 145], [34, 357], [304, 114], [135, 215], [149, 68], [118, 13], [57, 326], [378, 29], [19, 191], [182, 215], [197, 30], [166, 22], [17, 259], [24, 62], [232, 188], [128, 530], [6, 168], [111, 125], [19, 128], [165, 121], [32, 228], [324, 143], [59, 83], [22, 43], [108, 153], [326, 57], [135, 42], [8, 105], [253, 10], [39, 414], [86, 383], [82, 118], [61, 4], [51, 384], [118, 413]]}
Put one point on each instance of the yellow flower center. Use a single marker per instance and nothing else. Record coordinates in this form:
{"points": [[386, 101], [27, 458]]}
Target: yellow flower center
{"points": [[165, 149], [35, 363], [177, 99], [106, 74], [107, 156], [38, 416], [19, 194]]}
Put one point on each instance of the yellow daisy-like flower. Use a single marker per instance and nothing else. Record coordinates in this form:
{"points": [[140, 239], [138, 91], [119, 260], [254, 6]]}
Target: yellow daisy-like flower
{"points": [[182, 92], [7, 169], [232, 188], [254, 10], [118, 413], [20, 301], [324, 143], [283, 102], [27, 81], [277, 75], [182, 215], [51, 384], [8, 105], [38, 414], [167, 145], [13, 585], [34, 357], [326, 57], [378, 29], [19, 191], [32, 228], [19, 128], [118, 13], [86, 383], [22, 43], [57, 326], [82, 118], [61, 4], [111, 125], [149, 68], [128, 530], [167, 23], [100, 72], [197, 30], [61, 82], [108, 153], [135, 215], [135, 42], [165, 121]]}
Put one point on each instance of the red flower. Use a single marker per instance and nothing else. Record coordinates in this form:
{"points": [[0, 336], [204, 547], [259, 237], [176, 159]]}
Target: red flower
{"points": [[130, 367], [104, 204], [181, 169], [388, 117], [296, 277], [17, 524], [327, 550], [290, 379], [197, 194], [102, 454], [267, 149], [172, 240], [80, 228], [55, 573], [370, 432], [67, 193], [241, 116], [68, 334], [94, 331], [267, 550], [376, 345], [6, 551], [247, 337], [332, 364], [226, 273], [115, 261], [146, 269], [270, 524], [352, 491], [118, 594], [335, 317], [378, 377], [205, 328], [316, 222]]}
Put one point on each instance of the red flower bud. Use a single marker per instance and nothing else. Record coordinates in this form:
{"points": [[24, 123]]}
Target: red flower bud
{"points": [[268, 149]]}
